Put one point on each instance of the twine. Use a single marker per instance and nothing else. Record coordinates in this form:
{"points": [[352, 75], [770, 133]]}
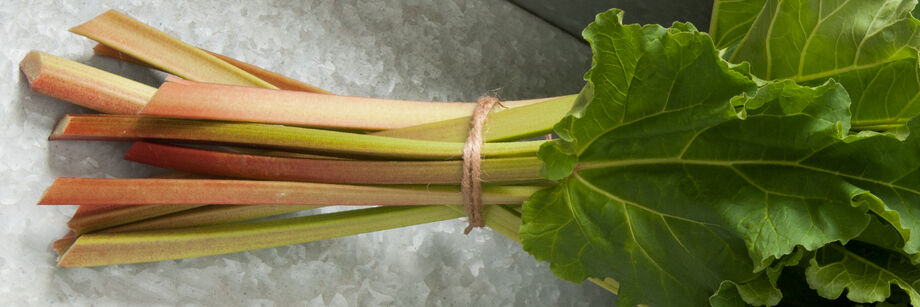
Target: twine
{"points": [[471, 183]]}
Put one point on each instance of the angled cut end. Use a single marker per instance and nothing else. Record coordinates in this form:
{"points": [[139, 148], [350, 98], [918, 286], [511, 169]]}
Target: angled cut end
{"points": [[60, 128], [31, 65], [50, 192], [66, 259], [110, 14], [63, 244]]}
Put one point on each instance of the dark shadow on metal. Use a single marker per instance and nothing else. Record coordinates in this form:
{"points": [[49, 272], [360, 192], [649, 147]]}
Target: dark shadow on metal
{"points": [[573, 15]]}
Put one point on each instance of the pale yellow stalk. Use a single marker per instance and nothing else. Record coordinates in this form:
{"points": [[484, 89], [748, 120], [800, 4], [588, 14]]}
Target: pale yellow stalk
{"points": [[163, 51]]}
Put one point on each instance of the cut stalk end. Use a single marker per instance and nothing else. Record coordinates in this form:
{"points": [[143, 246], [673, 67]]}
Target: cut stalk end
{"points": [[61, 245], [84, 85], [31, 66]]}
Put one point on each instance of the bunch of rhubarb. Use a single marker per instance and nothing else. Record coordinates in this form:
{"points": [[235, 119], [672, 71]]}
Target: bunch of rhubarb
{"points": [[768, 161]]}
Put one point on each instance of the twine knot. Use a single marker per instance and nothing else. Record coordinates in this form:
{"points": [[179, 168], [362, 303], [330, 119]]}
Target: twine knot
{"points": [[471, 183]]}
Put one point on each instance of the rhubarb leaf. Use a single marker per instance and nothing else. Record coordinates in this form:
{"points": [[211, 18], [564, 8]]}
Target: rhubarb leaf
{"points": [[868, 46], [679, 178], [864, 271]]}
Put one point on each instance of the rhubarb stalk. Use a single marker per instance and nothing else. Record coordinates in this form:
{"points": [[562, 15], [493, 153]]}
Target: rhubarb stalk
{"points": [[132, 128], [84, 85], [163, 51], [196, 100], [141, 191], [225, 164], [157, 245], [275, 79]]}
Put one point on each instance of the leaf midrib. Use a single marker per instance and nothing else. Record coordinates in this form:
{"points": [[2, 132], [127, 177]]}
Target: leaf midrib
{"points": [[731, 164]]}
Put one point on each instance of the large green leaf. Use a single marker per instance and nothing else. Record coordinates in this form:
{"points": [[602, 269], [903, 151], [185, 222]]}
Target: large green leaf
{"points": [[866, 272], [676, 177], [869, 46]]}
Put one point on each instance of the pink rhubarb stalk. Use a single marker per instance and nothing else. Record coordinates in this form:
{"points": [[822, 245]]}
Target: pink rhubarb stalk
{"points": [[84, 85], [197, 100]]}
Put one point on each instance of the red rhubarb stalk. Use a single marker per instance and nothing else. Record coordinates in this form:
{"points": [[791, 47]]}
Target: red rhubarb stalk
{"points": [[237, 165]]}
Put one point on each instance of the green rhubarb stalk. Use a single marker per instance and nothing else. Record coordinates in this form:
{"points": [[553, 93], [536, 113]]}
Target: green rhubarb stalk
{"points": [[508, 125], [198, 100], [156, 191], [506, 220], [207, 215], [145, 246], [151, 217], [163, 51], [275, 79], [84, 85], [140, 242], [114, 215], [273, 153], [118, 246], [131, 128], [225, 164], [131, 243]]}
